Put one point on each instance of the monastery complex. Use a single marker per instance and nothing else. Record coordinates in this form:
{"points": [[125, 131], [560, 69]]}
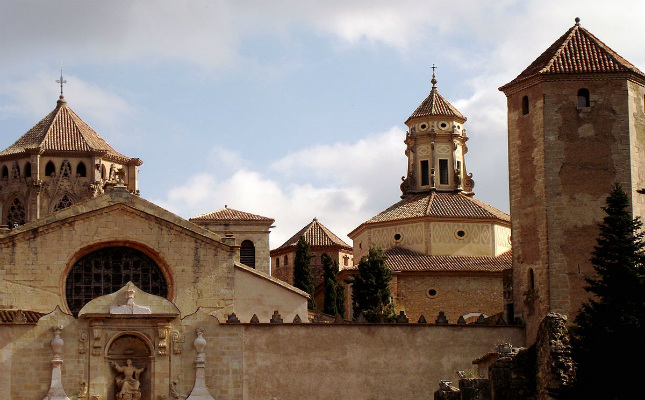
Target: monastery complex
{"points": [[107, 296]]}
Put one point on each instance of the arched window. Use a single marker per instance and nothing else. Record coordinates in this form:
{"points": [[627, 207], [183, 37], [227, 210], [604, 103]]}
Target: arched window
{"points": [[16, 213], [583, 97], [107, 270], [50, 169], [5, 172], [102, 171], [247, 253], [277, 262], [28, 169], [81, 170], [64, 202], [65, 169], [525, 105], [286, 260]]}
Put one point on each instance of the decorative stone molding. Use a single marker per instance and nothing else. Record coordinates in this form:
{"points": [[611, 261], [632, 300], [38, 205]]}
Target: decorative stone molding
{"points": [[177, 342], [130, 307], [200, 391], [97, 339], [162, 339], [56, 391], [82, 342]]}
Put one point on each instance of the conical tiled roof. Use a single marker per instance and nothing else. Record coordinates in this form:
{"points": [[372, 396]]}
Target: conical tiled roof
{"points": [[436, 204], [316, 234], [229, 214], [63, 131], [578, 51], [436, 105]]}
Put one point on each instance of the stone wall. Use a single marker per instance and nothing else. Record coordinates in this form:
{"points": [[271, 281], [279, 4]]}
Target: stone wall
{"points": [[255, 361], [563, 162], [454, 293]]}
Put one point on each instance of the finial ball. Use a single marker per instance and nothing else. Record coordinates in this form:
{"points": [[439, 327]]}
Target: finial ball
{"points": [[577, 20]]}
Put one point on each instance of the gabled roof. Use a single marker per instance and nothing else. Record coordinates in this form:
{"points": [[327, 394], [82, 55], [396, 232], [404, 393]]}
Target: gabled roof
{"points": [[436, 105], [229, 214], [400, 259], [63, 131], [437, 204], [578, 51], [316, 234]]}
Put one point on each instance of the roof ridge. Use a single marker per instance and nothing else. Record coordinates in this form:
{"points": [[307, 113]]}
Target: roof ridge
{"points": [[557, 53], [335, 240]]}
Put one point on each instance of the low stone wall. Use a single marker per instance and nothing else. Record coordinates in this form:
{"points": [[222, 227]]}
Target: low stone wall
{"points": [[360, 361], [252, 361]]}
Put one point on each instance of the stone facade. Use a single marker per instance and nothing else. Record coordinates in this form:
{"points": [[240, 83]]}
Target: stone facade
{"points": [[572, 135]]}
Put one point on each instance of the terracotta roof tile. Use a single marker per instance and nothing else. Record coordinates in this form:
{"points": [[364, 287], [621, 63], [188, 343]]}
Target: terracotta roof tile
{"points": [[436, 204], [316, 234], [229, 214], [400, 259], [436, 104], [9, 316], [577, 51], [63, 130]]}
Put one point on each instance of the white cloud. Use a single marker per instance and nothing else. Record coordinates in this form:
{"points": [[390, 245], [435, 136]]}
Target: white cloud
{"points": [[342, 185], [34, 97]]}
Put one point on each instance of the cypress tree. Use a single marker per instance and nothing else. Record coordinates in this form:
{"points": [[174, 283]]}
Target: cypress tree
{"points": [[302, 277], [334, 291], [371, 290], [608, 337]]}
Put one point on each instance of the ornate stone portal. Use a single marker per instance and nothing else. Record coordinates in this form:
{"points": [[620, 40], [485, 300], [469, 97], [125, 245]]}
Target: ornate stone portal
{"points": [[129, 357]]}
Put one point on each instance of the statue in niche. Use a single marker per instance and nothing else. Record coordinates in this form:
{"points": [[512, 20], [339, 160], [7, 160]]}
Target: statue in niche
{"points": [[128, 383]]}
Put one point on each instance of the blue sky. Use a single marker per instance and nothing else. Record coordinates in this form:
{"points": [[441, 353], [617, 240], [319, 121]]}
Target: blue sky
{"points": [[288, 109]]}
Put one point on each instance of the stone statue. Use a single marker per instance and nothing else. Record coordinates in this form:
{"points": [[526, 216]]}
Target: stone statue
{"points": [[128, 383]]}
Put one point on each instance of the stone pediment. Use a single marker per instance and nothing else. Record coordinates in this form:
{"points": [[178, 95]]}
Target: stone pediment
{"points": [[129, 301]]}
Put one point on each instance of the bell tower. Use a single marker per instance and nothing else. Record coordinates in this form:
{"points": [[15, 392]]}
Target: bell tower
{"points": [[436, 145], [576, 126]]}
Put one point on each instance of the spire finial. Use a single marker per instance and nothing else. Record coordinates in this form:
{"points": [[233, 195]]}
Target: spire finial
{"points": [[577, 20], [61, 81], [433, 81]]}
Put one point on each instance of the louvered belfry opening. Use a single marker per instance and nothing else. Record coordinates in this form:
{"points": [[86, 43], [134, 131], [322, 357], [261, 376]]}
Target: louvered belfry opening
{"points": [[247, 253], [107, 270]]}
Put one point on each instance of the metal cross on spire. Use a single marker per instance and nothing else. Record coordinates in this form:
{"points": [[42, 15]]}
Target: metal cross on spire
{"points": [[61, 81], [433, 81]]}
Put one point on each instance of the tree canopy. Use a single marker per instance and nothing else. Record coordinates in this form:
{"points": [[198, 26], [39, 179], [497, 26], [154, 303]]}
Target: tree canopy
{"points": [[302, 276], [371, 290], [334, 291], [608, 336]]}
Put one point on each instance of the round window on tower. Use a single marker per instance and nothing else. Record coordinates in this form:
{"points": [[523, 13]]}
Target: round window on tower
{"points": [[398, 237], [460, 234], [423, 126], [432, 293]]}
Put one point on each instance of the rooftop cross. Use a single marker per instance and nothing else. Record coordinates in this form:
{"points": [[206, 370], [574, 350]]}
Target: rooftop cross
{"points": [[433, 81], [61, 81]]}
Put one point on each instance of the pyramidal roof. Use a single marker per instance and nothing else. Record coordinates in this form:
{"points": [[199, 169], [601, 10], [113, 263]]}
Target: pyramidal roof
{"points": [[316, 234], [63, 131], [578, 51], [442, 205], [229, 214], [436, 105]]}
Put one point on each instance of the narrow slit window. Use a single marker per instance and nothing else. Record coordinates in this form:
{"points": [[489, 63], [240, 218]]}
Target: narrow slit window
{"points": [[525, 105], [443, 172], [425, 173], [583, 97]]}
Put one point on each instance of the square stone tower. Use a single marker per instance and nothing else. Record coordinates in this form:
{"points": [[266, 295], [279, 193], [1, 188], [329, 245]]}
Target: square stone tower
{"points": [[576, 126]]}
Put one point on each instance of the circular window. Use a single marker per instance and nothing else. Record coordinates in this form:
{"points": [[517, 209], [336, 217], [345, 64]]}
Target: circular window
{"points": [[423, 127], [397, 237], [443, 125], [432, 293], [107, 270], [460, 234]]}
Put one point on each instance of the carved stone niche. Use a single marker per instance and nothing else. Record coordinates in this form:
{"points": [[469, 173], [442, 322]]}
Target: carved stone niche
{"points": [[130, 330]]}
